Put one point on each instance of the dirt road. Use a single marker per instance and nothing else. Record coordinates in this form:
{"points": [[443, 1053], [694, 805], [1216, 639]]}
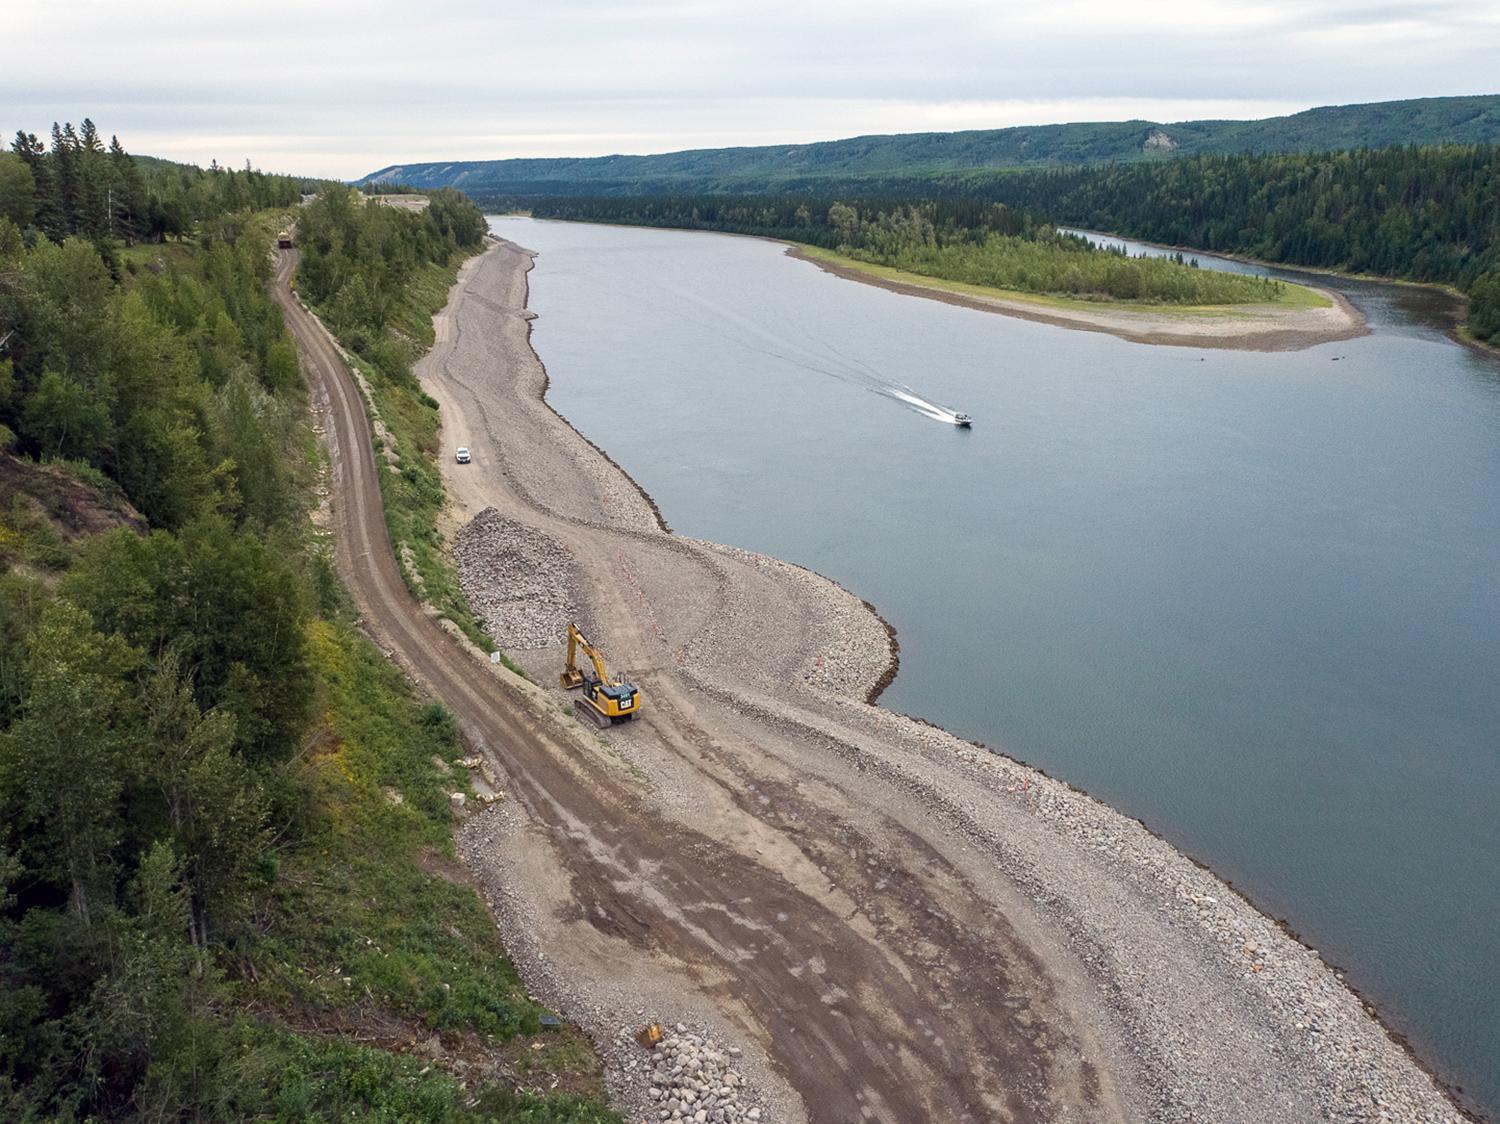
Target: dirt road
{"points": [[896, 927]]}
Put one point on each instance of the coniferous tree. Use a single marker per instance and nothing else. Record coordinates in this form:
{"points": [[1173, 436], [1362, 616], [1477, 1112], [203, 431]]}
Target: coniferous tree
{"points": [[48, 215], [130, 213], [94, 184], [65, 159]]}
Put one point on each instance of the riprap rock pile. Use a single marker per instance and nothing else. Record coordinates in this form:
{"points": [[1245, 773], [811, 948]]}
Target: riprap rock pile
{"points": [[694, 1079], [520, 582]]}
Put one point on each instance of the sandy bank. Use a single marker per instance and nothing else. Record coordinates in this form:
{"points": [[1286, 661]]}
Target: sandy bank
{"points": [[1238, 327], [902, 926]]}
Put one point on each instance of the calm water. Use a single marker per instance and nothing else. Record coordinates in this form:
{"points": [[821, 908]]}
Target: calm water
{"points": [[1250, 598]]}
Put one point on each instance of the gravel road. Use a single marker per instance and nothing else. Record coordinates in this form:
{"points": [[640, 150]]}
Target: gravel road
{"points": [[888, 923]]}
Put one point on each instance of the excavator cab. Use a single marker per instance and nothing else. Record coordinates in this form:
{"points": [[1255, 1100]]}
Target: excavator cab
{"points": [[605, 700]]}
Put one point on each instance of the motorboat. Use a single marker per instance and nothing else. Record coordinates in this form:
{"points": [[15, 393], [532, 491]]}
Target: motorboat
{"points": [[963, 421]]}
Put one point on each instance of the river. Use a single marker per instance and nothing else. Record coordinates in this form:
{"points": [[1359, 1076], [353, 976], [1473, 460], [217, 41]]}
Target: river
{"points": [[1249, 597]]}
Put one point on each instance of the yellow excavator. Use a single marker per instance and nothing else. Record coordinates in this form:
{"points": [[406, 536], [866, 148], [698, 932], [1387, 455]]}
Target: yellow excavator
{"points": [[607, 701]]}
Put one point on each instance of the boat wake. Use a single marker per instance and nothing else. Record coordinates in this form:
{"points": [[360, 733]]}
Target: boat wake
{"points": [[904, 394], [817, 357]]}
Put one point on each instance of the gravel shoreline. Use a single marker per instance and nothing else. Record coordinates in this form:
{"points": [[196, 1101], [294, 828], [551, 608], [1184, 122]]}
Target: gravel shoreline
{"points": [[1206, 1008]]}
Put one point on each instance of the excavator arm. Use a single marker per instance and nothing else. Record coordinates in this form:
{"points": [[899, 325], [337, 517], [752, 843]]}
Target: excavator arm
{"points": [[571, 675]]}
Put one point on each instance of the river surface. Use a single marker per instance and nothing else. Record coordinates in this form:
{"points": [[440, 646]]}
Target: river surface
{"points": [[1251, 598]]}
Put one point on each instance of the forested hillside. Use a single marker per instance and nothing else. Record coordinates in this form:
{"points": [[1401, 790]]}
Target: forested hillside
{"points": [[1422, 214], [221, 811], [826, 168], [991, 245], [79, 185]]}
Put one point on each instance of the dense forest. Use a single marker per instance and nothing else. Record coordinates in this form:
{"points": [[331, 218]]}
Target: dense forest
{"points": [[970, 242], [827, 167], [216, 797], [357, 258], [81, 186], [172, 385], [1423, 214]]}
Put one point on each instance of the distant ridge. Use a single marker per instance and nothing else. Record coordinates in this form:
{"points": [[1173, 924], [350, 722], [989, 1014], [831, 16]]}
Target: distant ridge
{"points": [[1455, 120]]}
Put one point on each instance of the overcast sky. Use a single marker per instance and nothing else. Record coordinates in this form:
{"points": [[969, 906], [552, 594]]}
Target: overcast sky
{"points": [[339, 88]]}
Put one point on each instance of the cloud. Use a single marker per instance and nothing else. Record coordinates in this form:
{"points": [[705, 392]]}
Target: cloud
{"points": [[341, 88]]}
